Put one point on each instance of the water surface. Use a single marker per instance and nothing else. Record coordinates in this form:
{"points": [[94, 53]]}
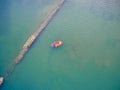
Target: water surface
{"points": [[89, 58]]}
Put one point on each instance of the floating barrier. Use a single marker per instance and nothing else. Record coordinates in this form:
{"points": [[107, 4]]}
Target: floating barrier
{"points": [[33, 37]]}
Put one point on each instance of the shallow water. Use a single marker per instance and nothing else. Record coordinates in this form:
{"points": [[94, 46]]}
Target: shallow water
{"points": [[89, 58]]}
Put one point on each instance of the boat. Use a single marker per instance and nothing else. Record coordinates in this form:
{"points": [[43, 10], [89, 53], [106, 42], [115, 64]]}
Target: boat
{"points": [[57, 43], [1, 80]]}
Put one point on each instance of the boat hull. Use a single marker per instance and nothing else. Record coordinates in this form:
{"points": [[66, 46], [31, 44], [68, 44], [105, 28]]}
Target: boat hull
{"points": [[56, 43], [1, 80]]}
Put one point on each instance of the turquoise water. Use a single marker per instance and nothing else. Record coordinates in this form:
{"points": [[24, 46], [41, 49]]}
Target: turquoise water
{"points": [[89, 58]]}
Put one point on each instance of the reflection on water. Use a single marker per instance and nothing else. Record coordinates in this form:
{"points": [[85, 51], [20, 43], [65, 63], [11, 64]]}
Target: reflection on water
{"points": [[107, 9]]}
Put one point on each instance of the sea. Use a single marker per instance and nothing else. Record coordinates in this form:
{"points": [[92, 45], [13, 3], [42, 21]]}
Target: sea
{"points": [[89, 58]]}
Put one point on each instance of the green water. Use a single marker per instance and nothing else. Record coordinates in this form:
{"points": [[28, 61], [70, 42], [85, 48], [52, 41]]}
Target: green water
{"points": [[89, 58]]}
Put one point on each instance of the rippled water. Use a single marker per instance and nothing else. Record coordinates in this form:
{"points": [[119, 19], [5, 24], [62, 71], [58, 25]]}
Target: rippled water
{"points": [[89, 58]]}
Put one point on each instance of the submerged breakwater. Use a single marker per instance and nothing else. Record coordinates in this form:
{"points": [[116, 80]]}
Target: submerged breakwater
{"points": [[34, 36]]}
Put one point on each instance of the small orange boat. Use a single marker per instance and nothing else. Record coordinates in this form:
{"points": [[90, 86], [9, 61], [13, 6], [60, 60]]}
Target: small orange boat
{"points": [[56, 43]]}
